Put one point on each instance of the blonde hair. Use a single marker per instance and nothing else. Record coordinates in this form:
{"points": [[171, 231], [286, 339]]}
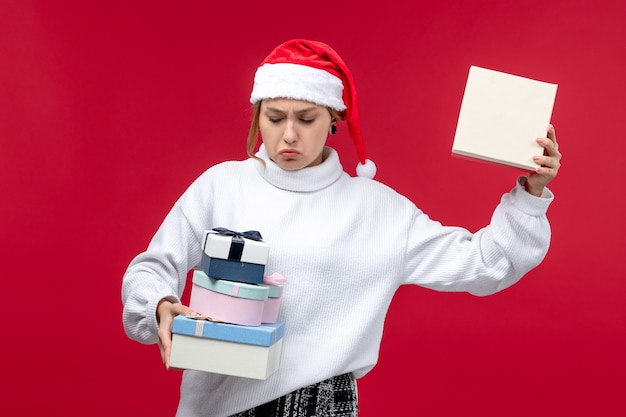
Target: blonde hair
{"points": [[254, 134]]}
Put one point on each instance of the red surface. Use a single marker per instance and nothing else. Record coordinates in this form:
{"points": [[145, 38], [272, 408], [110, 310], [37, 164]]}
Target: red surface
{"points": [[108, 112]]}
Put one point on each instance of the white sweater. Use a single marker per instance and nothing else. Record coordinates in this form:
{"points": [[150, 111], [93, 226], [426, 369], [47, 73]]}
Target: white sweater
{"points": [[345, 245]]}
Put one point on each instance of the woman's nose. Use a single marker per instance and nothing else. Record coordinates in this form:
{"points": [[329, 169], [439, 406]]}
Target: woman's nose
{"points": [[290, 135]]}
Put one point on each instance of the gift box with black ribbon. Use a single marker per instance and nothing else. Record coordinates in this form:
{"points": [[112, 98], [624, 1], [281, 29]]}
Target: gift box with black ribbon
{"points": [[234, 256]]}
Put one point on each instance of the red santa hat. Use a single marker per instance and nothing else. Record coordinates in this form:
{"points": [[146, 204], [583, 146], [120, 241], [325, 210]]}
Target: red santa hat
{"points": [[312, 71]]}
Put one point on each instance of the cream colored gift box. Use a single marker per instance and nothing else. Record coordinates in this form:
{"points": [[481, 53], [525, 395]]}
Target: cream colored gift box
{"points": [[230, 349]]}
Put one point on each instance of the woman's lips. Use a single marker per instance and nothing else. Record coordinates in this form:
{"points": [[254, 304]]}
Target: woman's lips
{"points": [[289, 153]]}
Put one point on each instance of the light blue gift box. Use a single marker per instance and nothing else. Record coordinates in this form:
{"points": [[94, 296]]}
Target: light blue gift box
{"points": [[229, 349]]}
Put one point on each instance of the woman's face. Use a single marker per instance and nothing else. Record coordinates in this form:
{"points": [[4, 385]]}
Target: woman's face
{"points": [[294, 132]]}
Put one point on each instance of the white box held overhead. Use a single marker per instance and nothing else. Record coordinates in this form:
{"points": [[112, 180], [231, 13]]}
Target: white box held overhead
{"points": [[501, 117]]}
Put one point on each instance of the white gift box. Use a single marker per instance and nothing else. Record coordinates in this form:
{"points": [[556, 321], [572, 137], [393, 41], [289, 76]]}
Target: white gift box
{"points": [[218, 246], [229, 349], [234, 257]]}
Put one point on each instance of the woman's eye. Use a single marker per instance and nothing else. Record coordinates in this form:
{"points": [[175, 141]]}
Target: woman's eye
{"points": [[307, 121], [275, 119]]}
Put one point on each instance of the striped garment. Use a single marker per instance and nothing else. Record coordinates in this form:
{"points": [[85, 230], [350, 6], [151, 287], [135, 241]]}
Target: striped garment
{"points": [[334, 397]]}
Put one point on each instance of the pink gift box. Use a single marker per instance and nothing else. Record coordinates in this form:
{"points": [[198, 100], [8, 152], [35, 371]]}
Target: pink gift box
{"points": [[270, 310], [228, 301], [274, 283]]}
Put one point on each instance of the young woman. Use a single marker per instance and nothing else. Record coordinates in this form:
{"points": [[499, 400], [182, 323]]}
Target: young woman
{"points": [[345, 244]]}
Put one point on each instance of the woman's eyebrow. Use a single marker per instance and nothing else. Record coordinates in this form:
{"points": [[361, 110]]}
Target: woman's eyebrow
{"points": [[298, 112], [275, 110], [306, 110]]}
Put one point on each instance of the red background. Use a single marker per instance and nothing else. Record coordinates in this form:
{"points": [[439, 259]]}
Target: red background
{"points": [[108, 110]]}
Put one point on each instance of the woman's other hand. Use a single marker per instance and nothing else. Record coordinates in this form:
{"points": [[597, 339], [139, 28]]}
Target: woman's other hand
{"points": [[549, 164], [166, 311]]}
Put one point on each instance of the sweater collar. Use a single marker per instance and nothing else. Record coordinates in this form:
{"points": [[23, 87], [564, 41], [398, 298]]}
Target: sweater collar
{"points": [[303, 180]]}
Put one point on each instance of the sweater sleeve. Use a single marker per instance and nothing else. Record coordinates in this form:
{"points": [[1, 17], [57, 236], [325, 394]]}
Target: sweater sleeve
{"points": [[447, 258], [158, 272], [161, 270]]}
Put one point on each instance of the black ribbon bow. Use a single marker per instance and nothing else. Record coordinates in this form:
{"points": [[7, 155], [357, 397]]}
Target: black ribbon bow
{"points": [[250, 234], [237, 243]]}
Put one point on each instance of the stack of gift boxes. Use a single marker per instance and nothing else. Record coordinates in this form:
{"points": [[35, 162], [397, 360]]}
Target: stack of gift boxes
{"points": [[236, 331]]}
